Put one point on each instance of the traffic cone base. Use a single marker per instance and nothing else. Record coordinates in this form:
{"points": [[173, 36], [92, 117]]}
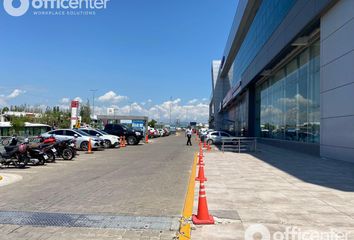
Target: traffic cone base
{"points": [[197, 221]]}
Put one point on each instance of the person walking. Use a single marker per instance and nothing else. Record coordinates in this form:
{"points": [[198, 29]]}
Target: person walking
{"points": [[189, 136]]}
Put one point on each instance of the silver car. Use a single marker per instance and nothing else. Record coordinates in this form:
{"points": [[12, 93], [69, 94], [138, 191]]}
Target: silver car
{"points": [[82, 138], [216, 137]]}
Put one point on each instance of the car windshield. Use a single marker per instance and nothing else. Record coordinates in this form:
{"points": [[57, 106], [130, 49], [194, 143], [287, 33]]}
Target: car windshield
{"points": [[82, 133]]}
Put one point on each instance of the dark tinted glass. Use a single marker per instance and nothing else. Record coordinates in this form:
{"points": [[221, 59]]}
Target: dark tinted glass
{"points": [[58, 132], [69, 133]]}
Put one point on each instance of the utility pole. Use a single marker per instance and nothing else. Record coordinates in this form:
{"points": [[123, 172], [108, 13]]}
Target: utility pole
{"points": [[170, 110], [93, 101], [130, 108]]}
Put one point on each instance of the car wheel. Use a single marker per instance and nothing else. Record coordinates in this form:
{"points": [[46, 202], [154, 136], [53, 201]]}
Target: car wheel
{"points": [[210, 142], [84, 146], [131, 140], [107, 144]]}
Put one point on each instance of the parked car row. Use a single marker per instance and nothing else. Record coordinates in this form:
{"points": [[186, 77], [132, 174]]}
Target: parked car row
{"points": [[211, 136], [158, 132]]}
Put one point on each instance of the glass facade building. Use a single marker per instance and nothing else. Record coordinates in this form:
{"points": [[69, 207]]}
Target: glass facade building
{"points": [[286, 76], [288, 103], [269, 15]]}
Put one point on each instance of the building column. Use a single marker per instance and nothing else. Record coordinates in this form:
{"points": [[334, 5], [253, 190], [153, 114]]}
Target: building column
{"points": [[337, 82]]}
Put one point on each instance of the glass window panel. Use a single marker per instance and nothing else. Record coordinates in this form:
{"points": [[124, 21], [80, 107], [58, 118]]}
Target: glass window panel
{"points": [[288, 104], [314, 93], [303, 100], [290, 101]]}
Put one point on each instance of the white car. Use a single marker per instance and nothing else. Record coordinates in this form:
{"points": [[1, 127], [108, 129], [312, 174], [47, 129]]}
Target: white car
{"points": [[162, 132], [216, 137], [109, 140]]}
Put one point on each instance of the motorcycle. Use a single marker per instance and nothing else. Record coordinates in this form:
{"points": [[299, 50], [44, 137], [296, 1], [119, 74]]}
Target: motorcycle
{"points": [[14, 155], [66, 149], [44, 152]]}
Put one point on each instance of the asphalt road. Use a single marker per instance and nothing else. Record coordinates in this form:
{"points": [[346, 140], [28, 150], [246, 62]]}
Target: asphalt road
{"points": [[144, 183]]}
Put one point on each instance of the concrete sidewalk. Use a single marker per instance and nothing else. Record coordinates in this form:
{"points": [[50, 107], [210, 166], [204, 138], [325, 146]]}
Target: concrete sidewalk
{"points": [[279, 189]]}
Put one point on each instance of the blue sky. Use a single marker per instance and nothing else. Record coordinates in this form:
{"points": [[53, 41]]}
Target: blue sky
{"points": [[134, 52]]}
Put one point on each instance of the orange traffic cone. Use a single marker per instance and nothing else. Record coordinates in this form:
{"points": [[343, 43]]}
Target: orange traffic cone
{"points": [[147, 138], [123, 144], [201, 152], [200, 162], [89, 147], [209, 147], [204, 145], [201, 176], [203, 216], [121, 141]]}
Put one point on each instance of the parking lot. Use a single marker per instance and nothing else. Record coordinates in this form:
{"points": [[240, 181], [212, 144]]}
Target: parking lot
{"points": [[135, 192]]}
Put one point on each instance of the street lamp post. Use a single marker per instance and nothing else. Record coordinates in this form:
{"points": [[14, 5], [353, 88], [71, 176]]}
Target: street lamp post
{"points": [[93, 101]]}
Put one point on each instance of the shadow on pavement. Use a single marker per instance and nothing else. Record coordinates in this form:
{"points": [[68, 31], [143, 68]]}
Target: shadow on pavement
{"points": [[324, 172]]}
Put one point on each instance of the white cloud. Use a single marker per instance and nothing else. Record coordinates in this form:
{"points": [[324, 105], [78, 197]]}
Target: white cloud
{"points": [[65, 100], [193, 101], [15, 93], [111, 97], [2, 101], [161, 112], [78, 99]]}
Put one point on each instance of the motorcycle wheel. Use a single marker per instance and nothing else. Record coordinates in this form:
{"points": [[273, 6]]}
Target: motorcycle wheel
{"points": [[22, 162], [41, 161], [51, 157], [68, 154]]}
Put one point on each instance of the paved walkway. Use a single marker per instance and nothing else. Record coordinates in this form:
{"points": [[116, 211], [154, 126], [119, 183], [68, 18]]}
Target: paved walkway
{"points": [[279, 189]]}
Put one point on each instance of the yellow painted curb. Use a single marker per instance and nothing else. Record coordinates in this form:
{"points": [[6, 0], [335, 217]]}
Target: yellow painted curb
{"points": [[185, 227]]}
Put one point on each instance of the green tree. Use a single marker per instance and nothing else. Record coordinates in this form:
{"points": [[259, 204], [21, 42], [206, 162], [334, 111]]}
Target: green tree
{"points": [[5, 109], [18, 124], [85, 113], [152, 123]]}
